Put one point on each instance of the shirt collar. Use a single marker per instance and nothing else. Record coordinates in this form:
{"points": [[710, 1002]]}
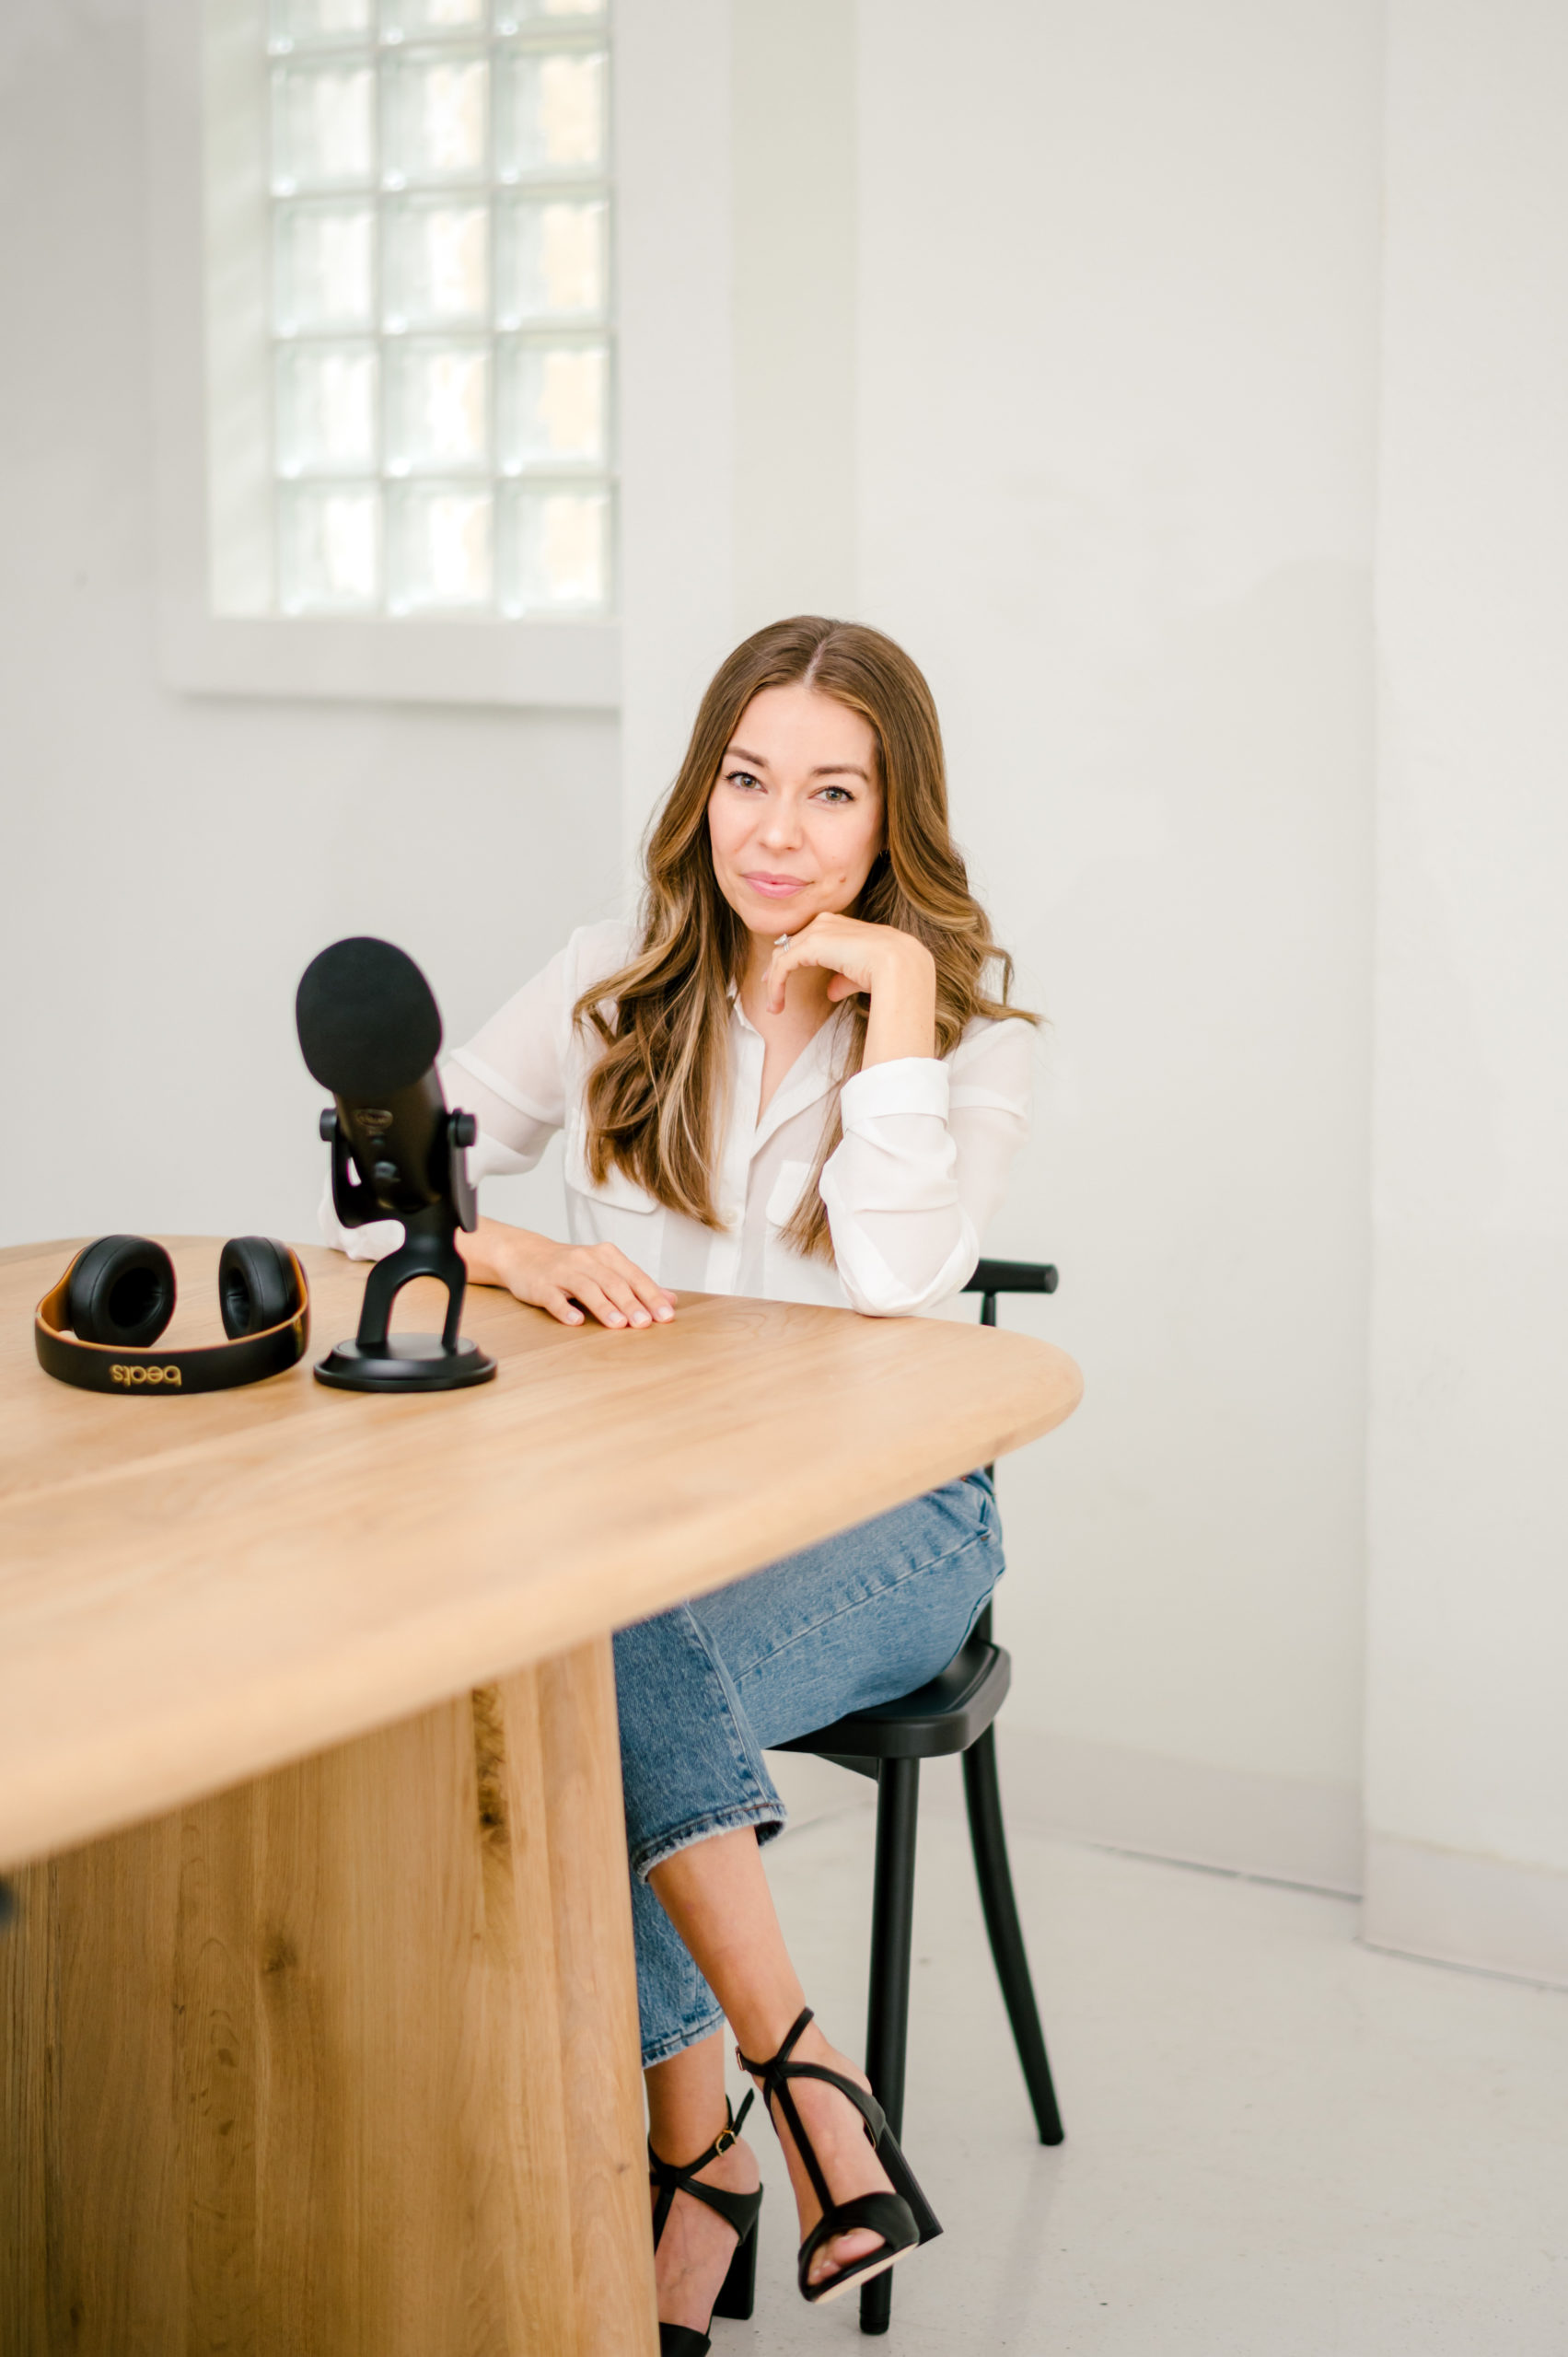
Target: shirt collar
{"points": [[809, 1079]]}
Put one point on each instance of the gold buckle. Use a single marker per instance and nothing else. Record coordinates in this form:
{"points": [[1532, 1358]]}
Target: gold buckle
{"points": [[724, 2139]]}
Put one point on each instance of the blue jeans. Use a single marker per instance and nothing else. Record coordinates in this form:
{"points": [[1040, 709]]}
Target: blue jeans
{"points": [[704, 1691]]}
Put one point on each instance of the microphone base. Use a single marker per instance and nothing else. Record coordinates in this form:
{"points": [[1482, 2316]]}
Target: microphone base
{"points": [[405, 1363]]}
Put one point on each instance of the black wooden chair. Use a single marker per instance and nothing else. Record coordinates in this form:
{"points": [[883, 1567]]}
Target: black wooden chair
{"points": [[953, 1712]]}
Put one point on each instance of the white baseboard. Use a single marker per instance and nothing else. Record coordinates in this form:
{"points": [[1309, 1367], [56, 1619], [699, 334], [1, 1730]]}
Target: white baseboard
{"points": [[1459, 1909], [1440, 1904], [1284, 1828]]}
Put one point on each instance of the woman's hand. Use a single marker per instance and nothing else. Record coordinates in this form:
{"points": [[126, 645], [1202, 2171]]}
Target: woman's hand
{"points": [[565, 1279], [897, 971]]}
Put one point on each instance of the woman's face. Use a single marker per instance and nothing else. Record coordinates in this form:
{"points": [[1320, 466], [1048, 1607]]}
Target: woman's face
{"points": [[794, 819]]}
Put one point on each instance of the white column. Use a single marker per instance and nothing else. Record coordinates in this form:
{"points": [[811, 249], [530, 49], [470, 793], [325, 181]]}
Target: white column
{"points": [[1467, 1790]]}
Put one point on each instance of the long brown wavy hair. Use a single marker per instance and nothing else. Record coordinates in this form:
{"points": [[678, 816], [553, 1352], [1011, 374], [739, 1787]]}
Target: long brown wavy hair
{"points": [[655, 1096]]}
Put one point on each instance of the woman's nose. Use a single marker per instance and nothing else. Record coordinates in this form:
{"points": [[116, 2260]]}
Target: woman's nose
{"points": [[781, 827]]}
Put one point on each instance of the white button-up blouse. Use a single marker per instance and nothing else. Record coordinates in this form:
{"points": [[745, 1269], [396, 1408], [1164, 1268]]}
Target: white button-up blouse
{"points": [[921, 1167]]}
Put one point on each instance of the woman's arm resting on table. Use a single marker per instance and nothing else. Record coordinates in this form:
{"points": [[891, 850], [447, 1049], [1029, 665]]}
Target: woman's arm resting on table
{"points": [[921, 1167], [565, 1279], [927, 1142]]}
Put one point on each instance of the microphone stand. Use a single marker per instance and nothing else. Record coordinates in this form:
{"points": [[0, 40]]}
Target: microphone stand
{"points": [[377, 1360]]}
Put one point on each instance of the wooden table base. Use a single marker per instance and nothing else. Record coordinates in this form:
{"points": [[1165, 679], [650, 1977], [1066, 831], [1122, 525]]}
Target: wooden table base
{"points": [[342, 2063]]}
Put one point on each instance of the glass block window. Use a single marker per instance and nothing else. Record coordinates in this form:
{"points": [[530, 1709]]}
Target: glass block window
{"points": [[442, 368]]}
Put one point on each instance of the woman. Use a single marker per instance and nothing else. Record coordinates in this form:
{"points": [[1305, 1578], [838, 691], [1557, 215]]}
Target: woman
{"points": [[788, 1079]]}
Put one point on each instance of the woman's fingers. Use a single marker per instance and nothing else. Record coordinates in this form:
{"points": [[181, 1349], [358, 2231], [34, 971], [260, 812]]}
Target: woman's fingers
{"points": [[653, 1297], [782, 965], [825, 941], [649, 1292], [596, 1301], [614, 1302], [623, 1294], [601, 1281]]}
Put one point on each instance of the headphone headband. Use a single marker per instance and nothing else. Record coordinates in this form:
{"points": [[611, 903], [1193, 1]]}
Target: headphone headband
{"points": [[215, 1367]]}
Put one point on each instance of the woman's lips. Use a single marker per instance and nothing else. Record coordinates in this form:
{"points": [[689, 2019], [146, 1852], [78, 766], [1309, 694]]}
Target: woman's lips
{"points": [[776, 888]]}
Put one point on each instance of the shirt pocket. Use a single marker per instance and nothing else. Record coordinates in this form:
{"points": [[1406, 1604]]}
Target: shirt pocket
{"points": [[614, 1192], [786, 1191]]}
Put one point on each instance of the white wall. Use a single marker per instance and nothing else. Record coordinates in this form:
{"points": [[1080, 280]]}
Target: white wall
{"points": [[1082, 360], [1117, 380], [1468, 1749], [1102, 285], [169, 863], [794, 110]]}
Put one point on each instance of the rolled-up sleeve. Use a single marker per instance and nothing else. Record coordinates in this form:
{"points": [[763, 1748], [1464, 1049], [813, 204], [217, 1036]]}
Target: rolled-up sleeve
{"points": [[923, 1164]]}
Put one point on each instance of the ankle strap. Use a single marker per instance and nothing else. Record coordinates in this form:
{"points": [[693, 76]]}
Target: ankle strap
{"points": [[765, 2071], [730, 2132], [671, 2177], [677, 2171], [776, 2074]]}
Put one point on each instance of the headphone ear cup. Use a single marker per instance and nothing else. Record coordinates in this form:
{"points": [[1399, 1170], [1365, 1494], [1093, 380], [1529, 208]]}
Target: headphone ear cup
{"points": [[257, 1287], [121, 1292]]}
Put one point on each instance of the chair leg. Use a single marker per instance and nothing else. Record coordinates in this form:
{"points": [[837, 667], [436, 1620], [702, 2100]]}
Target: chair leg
{"points": [[982, 1792], [887, 2018]]}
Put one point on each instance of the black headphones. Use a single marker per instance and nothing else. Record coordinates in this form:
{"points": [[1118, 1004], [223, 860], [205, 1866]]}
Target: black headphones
{"points": [[118, 1296]]}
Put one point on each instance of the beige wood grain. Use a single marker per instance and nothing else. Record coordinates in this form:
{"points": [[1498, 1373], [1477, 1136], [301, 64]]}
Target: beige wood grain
{"points": [[28, 2102], [195, 1591], [336, 2055], [342, 2063]]}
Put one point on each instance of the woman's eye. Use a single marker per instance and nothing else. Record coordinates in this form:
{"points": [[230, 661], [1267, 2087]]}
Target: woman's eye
{"points": [[742, 777], [837, 794]]}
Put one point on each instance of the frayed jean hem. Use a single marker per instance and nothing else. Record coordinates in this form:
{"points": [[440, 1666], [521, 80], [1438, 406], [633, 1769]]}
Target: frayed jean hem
{"points": [[768, 1817], [705, 1689], [676, 2041]]}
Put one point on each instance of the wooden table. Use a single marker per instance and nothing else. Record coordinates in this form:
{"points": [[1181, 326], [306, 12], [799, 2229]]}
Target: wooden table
{"points": [[318, 2016]]}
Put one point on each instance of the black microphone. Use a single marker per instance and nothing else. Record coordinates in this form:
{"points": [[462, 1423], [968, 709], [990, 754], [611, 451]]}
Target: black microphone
{"points": [[370, 1031]]}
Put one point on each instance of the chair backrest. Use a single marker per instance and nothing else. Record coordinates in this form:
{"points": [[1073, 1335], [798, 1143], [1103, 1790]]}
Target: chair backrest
{"points": [[991, 1277]]}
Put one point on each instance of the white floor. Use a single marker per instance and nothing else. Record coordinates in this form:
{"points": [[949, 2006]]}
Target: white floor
{"points": [[1278, 2142]]}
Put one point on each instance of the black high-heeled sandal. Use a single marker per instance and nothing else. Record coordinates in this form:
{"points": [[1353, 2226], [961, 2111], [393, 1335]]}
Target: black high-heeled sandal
{"points": [[903, 2218], [738, 2292]]}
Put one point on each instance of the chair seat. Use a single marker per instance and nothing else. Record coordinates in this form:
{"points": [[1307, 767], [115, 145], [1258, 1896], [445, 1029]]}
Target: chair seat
{"points": [[947, 1715]]}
